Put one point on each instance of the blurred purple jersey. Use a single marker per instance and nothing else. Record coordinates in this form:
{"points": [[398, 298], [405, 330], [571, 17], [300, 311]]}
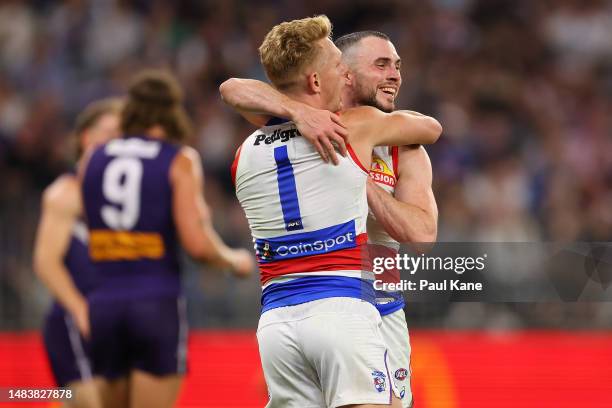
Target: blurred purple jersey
{"points": [[128, 206]]}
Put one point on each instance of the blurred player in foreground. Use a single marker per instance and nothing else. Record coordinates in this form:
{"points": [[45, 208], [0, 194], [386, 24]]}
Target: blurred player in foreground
{"points": [[142, 195], [402, 204], [61, 260], [319, 342]]}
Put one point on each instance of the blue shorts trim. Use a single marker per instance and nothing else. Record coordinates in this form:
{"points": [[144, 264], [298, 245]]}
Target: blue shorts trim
{"points": [[310, 288], [387, 308]]}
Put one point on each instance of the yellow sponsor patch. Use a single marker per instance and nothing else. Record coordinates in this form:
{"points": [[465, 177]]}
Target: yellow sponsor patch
{"points": [[381, 173], [105, 245]]}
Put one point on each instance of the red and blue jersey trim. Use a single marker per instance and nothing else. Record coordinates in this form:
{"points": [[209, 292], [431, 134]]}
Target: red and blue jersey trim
{"points": [[302, 244], [234, 167], [346, 259], [328, 249], [395, 160], [356, 160]]}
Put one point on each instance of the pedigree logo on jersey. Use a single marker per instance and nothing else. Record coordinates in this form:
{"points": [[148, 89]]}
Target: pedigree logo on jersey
{"points": [[381, 173], [277, 135]]}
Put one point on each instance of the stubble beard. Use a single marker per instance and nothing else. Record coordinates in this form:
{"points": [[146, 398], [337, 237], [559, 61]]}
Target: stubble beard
{"points": [[367, 97]]}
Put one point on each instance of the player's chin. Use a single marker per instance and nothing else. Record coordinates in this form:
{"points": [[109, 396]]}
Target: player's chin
{"points": [[386, 103]]}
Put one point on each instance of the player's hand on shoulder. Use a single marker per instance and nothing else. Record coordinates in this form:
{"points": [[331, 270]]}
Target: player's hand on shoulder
{"points": [[323, 129], [243, 263]]}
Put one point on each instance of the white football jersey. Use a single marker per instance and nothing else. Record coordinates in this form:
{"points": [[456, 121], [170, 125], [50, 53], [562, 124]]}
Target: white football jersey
{"points": [[306, 217], [383, 171]]}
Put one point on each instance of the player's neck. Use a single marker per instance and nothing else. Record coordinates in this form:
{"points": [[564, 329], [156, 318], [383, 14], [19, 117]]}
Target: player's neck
{"points": [[310, 99], [348, 101], [156, 132]]}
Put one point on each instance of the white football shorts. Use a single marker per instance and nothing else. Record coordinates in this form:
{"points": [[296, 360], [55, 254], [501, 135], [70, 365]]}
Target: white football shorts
{"points": [[324, 353], [394, 331]]}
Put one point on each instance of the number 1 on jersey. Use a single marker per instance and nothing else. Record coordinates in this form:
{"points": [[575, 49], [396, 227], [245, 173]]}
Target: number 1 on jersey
{"points": [[287, 190]]}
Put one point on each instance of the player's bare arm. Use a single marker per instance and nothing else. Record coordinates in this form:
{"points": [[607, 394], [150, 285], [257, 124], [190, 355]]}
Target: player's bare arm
{"points": [[193, 221], [369, 127], [257, 101], [61, 208], [411, 216]]}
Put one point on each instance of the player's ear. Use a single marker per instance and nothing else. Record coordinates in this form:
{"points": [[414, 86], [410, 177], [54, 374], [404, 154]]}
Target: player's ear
{"points": [[348, 77], [314, 83]]}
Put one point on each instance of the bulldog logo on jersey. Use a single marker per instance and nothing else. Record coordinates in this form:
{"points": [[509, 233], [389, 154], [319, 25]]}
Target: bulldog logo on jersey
{"points": [[381, 173], [265, 252], [380, 382]]}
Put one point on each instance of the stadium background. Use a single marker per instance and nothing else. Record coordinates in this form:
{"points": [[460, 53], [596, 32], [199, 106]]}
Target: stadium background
{"points": [[522, 88]]}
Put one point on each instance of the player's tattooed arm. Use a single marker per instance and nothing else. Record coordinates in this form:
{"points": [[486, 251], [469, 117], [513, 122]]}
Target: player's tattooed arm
{"points": [[193, 220], [411, 217], [257, 102], [60, 210]]}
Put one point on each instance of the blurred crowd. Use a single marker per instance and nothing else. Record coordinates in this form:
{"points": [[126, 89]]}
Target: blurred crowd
{"points": [[522, 88]]}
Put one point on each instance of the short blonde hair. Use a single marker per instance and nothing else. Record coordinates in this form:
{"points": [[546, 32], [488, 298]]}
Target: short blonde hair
{"points": [[290, 46]]}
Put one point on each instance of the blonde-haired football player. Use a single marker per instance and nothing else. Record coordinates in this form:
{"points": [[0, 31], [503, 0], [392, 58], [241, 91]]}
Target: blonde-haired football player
{"points": [[319, 334]]}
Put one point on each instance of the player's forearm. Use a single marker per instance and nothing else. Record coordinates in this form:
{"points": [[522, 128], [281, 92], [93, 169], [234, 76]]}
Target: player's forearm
{"points": [[57, 279], [211, 248], [404, 128], [425, 129], [250, 95], [406, 223]]}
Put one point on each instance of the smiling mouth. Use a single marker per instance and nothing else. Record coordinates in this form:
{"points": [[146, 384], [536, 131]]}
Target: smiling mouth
{"points": [[389, 91]]}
